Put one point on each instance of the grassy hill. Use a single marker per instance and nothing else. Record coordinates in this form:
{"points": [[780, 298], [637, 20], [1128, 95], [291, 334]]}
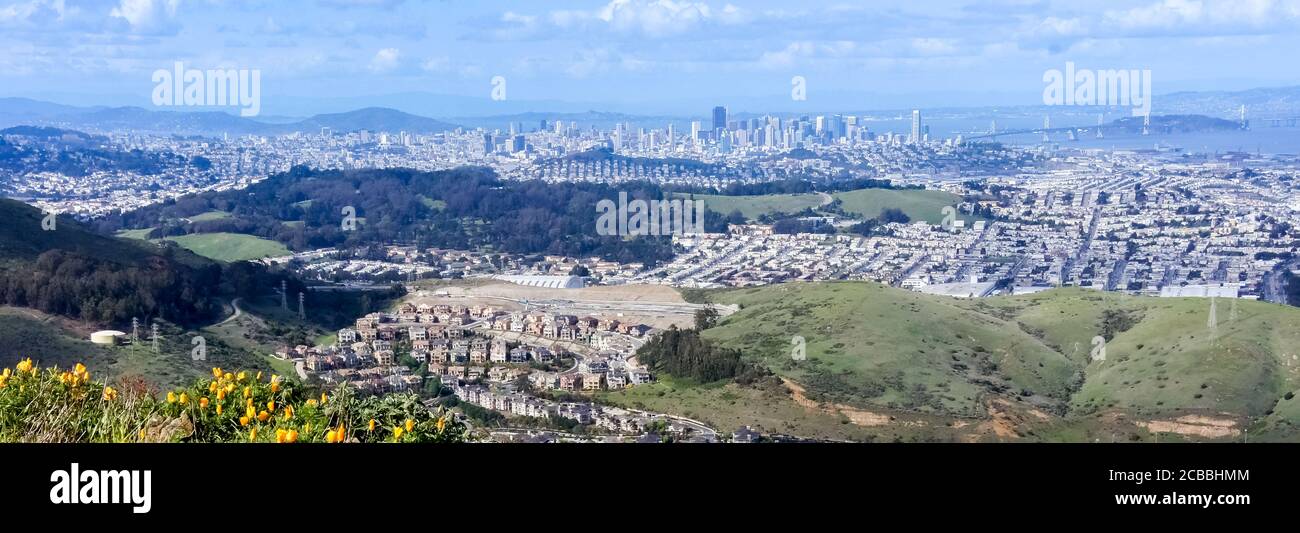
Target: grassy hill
{"points": [[755, 206], [912, 366], [870, 345], [1171, 362], [210, 215], [868, 203], [917, 204], [55, 341], [230, 247]]}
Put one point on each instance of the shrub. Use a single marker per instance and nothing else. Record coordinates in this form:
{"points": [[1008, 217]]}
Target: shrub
{"points": [[53, 405]]}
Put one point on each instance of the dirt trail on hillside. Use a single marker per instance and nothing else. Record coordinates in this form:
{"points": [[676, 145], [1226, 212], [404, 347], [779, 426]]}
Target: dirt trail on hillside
{"points": [[1195, 425], [855, 415]]}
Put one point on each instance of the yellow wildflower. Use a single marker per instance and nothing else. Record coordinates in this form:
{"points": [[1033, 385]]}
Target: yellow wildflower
{"points": [[26, 366], [221, 394], [218, 409], [248, 391], [227, 377], [270, 406], [110, 393], [252, 435], [442, 424], [216, 372], [185, 399], [242, 376], [263, 416], [171, 397], [397, 432], [203, 403], [329, 437], [410, 424], [275, 387], [212, 387], [311, 402], [371, 427], [243, 421], [79, 369], [324, 399]]}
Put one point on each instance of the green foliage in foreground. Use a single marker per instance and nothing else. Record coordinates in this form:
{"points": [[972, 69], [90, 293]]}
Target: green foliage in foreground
{"points": [[54, 405]]}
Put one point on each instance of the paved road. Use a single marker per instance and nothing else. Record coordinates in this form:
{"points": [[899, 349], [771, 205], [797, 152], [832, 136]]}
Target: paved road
{"points": [[233, 303]]}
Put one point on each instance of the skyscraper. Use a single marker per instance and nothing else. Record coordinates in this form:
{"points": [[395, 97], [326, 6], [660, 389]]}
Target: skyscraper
{"points": [[719, 118], [916, 126]]}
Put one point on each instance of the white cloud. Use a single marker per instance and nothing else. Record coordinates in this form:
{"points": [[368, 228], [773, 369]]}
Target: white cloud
{"points": [[145, 15], [35, 11], [385, 60], [620, 18]]}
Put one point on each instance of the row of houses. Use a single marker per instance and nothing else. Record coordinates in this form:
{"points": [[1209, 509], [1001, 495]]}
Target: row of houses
{"points": [[564, 327], [518, 404], [374, 380], [588, 380]]}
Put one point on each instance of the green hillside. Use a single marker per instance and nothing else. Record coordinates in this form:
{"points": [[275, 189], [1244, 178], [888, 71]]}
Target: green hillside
{"points": [[230, 246], [1171, 362], [1020, 367], [51, 305], [755, 206], [870, 345], [917, 204], [23, 237]]}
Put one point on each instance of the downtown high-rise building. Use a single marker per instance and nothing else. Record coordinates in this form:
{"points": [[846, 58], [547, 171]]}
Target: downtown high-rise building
{"points": [[719, 118], [916, 126]]}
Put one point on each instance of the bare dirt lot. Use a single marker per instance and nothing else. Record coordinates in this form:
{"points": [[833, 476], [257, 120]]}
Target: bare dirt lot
{"points": [[655, 305]]}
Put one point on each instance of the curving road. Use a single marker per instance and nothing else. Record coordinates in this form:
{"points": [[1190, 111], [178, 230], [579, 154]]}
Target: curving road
{"points": [[233, 303]]}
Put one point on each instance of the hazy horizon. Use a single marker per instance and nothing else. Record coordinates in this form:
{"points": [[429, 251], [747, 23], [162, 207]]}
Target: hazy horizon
{"points": [[655, 57]]}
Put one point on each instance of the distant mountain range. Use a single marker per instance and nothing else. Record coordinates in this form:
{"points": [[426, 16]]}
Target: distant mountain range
{"points": [[407, 113], [23, 111]]}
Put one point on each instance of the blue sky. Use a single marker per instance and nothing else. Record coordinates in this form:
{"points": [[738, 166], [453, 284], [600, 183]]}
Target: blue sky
{"points": [[651, 55]]}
